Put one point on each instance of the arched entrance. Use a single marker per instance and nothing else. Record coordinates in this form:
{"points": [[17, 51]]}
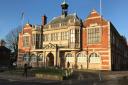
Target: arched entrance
{"points": [[50, 59]]}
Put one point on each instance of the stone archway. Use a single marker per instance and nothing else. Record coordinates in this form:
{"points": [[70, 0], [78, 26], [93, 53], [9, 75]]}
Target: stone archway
{"points": [[50, 59]]}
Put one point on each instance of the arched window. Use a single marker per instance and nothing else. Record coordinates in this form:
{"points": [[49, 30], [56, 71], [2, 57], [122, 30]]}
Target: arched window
{"points": [[69, 55], [81, 57], [94, 58], [70, 58], [41, 58], [33, 58], [26, 57]]}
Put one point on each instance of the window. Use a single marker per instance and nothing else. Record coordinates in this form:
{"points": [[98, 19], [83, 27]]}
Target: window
{"points": [[33, 39], [94, 35], [72, 35], [38, 41], [70, 58], [77, 39], [54, 36], [64, 35], [46, 37], [63, 24], [26, 41], [94, 58], [40, 58], [33, 58], [69, 55], [26, 57], [81, 57], [77, 35], [54, 25]]}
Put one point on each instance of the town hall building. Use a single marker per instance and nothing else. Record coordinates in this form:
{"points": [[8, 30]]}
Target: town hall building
{"points": [[69, 42]]}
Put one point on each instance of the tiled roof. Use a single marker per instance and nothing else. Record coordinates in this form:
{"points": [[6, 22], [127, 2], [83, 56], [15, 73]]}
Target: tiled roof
{"points": [[61, 19]]}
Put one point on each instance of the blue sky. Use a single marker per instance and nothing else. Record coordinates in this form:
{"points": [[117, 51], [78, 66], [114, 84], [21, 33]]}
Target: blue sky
{"points": [[115, 11]]}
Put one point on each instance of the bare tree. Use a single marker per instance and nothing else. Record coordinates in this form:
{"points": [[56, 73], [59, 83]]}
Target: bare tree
{"points": [[12, 41]]}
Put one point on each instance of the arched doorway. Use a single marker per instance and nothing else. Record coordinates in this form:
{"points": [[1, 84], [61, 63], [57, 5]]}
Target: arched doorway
{"points": [[50, 59]]}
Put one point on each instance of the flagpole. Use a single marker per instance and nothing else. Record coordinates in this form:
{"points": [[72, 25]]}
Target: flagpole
{"points": [[22, 20], [101, 7], [100, 75]]}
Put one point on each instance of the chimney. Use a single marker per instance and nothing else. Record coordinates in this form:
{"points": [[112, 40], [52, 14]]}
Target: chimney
{"points": [[44, 20], [2, 43]]}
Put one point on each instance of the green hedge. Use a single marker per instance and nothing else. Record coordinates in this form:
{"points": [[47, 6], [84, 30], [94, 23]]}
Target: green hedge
{"points": [[52, 71]]}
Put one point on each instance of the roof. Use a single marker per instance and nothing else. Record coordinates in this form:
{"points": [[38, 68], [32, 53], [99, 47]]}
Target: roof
{"points": [[28, 25], [61, 19]]}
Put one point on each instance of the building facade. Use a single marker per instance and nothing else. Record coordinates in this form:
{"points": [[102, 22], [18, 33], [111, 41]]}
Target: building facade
{"points": [[67, 41]]}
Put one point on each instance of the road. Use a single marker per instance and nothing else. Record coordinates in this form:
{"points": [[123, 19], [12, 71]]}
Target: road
{"points": [[66, 82], [13, 82], [78, 78]]}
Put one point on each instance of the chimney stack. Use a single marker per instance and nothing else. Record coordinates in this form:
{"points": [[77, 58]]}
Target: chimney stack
{"points": [[44, 20], [2, 43]]}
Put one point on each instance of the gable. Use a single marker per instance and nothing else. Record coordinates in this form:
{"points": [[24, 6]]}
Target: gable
{"points": [[94, 18]]}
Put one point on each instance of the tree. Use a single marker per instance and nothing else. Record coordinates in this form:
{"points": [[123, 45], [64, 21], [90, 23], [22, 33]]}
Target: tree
{"points": [[12, 41]]}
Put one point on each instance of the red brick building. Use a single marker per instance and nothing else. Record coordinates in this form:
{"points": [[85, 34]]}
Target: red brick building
{"points": [[90, 44], [100, 37], [25, 43]]}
